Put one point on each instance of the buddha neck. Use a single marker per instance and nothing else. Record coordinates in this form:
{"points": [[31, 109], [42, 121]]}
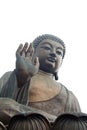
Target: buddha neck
{"points": [[43, 73]]}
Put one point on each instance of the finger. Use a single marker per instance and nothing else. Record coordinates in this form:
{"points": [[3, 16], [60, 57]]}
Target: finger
{"points": [[23, 52], [19, 50], [30, 51], [30, 48]]}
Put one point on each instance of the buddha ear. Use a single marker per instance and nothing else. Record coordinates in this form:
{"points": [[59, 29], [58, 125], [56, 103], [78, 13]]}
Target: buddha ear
{"points": [[61, 62], [56, 75], [56, 72], [60, 65]]}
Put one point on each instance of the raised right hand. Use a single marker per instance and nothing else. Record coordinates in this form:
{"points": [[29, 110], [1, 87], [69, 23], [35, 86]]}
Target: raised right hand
{"points": [[26, 66]]}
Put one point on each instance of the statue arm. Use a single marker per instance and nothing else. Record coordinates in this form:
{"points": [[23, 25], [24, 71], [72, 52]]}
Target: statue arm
{"points": [[26, 66], [8, 84], [75, 106], [72, 104], [4, 79]]}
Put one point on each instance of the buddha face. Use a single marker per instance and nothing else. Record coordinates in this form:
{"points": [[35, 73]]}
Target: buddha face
{"points": [[50, 55]]}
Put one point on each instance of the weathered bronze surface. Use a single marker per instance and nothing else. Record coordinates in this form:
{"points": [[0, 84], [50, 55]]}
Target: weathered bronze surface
{"points": [[68, 121], [31, 121], [2, 126], [31, 87], [36, 121]]}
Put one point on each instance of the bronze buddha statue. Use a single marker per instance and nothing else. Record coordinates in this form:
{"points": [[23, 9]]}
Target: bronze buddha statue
{"points": [[32, 84]]}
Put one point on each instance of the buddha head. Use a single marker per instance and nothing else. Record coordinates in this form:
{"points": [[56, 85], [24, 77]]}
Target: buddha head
{"points": [[50, 50]]}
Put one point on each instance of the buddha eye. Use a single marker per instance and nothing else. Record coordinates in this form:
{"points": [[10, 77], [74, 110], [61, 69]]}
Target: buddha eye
{"points": [[46, 48], [59, 53]]}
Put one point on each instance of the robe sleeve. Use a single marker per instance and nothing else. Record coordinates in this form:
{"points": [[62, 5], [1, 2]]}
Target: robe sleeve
{"points": [[10, 89], [8, 84], [72, 104], [4, 79]]}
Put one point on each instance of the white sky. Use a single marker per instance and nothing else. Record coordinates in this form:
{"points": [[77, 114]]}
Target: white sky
{"points": [[24, 20]]}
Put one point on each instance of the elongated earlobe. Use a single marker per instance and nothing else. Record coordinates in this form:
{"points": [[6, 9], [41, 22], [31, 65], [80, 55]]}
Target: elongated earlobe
{"points": [[56, 76]]}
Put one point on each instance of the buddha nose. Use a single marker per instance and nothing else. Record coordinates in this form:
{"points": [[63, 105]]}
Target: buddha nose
{"points": [[53, 53]]}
